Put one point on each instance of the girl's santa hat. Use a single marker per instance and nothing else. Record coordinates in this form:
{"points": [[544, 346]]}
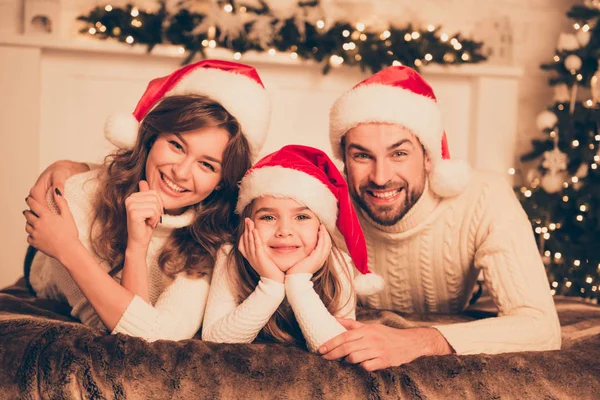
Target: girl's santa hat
{"points": [[237, 87], [399, 95], [308, 176]]}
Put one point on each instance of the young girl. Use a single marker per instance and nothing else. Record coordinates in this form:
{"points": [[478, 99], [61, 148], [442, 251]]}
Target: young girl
{"points": [[286, 280], [155, 214]]}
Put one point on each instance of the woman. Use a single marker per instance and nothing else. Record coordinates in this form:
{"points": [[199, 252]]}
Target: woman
{"points": [[133, 244]]}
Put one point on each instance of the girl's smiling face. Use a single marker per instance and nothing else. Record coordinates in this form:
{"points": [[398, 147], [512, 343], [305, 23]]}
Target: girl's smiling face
{"points": [[184, 168], [287, 229]]}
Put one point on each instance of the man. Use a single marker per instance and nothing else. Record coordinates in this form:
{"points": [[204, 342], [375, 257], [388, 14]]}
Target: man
{"points": [[431, 226]]}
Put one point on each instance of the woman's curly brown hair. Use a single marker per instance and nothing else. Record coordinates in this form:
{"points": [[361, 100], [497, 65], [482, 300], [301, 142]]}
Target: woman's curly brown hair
{"points": [[193, 248]]}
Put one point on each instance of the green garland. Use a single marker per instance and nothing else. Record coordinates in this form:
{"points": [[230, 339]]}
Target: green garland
{"points": [[343, 42]]}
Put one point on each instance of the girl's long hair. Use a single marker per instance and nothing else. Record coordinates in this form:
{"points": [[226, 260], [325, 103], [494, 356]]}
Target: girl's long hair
{"points": [[193, 248], [283, 326]]}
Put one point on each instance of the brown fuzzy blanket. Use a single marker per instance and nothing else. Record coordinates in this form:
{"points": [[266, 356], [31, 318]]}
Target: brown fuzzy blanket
{"points": [[46, 354]]}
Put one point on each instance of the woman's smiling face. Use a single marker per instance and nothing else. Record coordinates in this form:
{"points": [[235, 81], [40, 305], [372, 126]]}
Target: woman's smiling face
{"points": [[185, 168]]}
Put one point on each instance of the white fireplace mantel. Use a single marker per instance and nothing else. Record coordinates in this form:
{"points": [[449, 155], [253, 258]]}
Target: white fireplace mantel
{"points": [[57, 93]]}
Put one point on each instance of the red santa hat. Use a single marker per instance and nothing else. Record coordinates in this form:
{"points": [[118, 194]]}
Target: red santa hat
{"points": [[308, 176], [399, 95], [237, 87]]}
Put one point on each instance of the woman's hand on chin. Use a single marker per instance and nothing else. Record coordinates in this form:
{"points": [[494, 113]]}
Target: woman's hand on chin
{"points": [[316, 259], [144, 212], [253, 250], [52, 234]]}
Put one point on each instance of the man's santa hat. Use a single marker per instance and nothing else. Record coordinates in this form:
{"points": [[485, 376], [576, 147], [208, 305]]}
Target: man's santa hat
{"points": [[237, 87], [308, 176], [399, 95]]}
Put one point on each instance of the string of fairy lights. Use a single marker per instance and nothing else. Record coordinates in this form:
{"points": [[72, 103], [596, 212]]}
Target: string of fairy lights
{"points": [[302, 33], [572, 126]]}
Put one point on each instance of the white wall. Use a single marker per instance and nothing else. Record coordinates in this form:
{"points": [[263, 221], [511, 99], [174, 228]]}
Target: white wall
{"points": [[535, 24]]}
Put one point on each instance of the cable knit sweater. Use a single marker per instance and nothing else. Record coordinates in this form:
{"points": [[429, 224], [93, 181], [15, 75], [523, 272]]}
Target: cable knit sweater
{"points": [[431, 258], [228, 321], [177, 305]]}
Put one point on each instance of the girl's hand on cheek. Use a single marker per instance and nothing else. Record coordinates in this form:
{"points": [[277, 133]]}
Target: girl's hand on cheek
{"points": [[253, 250], [52, 234], [144, 211], [316, 259]]}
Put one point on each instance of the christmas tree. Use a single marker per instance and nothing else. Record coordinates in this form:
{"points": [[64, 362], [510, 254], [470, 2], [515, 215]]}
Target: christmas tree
{"points": [[561, 193]]}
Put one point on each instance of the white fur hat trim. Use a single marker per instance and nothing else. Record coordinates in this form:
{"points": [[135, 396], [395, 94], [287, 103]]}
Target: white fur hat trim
{"points": [[284, 182]]}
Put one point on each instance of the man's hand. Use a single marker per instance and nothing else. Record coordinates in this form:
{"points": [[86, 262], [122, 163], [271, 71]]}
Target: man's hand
{"points": [[55, 176], [375, 346], [53, 234]]}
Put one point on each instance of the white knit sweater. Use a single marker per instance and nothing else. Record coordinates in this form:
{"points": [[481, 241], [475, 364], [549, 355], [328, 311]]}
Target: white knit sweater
{"points": [[177, 305], [228, 321], [430, 261]]}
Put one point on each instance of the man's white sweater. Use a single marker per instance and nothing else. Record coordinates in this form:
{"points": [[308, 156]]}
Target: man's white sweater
{"points": [[431, 258]]}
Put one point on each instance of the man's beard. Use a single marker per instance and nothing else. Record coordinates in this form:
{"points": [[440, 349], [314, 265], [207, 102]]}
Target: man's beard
{"points": [[385, 215]]}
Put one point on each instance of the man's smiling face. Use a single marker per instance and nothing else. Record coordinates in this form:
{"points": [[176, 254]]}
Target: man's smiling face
{"points": [[386, 168]]}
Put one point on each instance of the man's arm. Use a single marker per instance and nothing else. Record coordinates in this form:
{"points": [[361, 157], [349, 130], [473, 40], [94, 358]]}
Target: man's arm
{"points": [[506, 251], [55, 176], [375, 346]]}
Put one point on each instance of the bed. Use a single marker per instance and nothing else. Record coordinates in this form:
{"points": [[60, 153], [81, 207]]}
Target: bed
{"points": [[44, 353]]}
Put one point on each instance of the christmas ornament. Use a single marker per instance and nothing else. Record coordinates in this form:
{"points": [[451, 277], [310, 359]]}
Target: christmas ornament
{"points": [[532, 176], [583, 37], [555, 160], [546, 120], [595, 87], [592, 3], [573, 62], [552, 182], [561, 93], [555, 163], [567, 42], [582, 171]]}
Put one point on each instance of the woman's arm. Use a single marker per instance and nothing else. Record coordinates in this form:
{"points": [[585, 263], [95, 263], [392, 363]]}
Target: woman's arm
{"points": [[177, 314], [109, 299], [134, 277]]}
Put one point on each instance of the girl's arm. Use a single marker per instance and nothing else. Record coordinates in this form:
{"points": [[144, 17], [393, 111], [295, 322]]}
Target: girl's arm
{"points": [[225, 320], [316, 322]]}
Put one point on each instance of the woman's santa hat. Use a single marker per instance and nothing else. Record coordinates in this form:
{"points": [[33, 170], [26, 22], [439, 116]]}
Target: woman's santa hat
{"points": [[399, 95], [237, 87], [308, 176]]}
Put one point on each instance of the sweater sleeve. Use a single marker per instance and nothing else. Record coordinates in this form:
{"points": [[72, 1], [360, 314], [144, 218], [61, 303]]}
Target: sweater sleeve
{"points": [[50, 278], [176, 315], [513, 271], [56, 283], [316, 322], [227, 321]]}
